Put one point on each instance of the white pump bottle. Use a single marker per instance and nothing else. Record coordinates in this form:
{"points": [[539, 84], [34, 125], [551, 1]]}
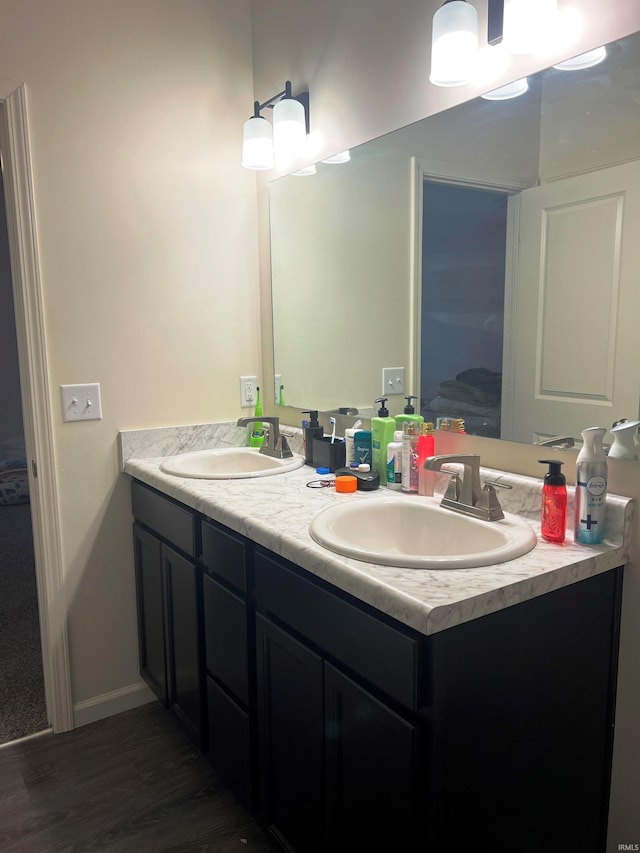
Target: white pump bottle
{"points": [[625, 444]]}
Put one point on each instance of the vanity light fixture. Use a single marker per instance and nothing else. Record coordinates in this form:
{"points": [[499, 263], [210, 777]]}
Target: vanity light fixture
{"points": [[513, 26], [454, 43], [261, 142]]}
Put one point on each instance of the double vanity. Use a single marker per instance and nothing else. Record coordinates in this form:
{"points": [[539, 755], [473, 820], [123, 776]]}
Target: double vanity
{"points": [[355, 705]]}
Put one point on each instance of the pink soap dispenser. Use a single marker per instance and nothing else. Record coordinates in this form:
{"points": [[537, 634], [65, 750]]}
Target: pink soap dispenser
{"points": [[554, 503]]}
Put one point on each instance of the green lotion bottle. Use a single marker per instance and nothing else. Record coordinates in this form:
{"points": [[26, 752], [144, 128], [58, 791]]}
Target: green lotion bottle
{"points": [[409, 415], [382, 430]]}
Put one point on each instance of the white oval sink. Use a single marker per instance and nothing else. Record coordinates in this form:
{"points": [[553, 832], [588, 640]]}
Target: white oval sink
{"points": [[418, 533], [231, 463]]}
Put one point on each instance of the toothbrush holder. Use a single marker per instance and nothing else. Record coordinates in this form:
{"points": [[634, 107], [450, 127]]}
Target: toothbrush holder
{"points": [[328, 455]]}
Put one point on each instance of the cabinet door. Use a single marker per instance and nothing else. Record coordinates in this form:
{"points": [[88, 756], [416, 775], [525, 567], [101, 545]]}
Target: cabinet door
{"points": [[186, 681], [225, 620], [371, 771], [291, 738], [231, 743], [150, 593]]}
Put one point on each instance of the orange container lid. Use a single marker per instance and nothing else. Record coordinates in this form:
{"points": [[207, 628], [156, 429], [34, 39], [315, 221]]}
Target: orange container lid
{"points": [[346, 483]]}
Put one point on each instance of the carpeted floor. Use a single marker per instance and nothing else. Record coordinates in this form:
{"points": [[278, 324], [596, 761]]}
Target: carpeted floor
{"points": [[22, 706]]}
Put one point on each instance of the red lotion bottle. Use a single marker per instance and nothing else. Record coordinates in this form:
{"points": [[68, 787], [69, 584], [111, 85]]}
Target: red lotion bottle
{"points": [[554, 503]]}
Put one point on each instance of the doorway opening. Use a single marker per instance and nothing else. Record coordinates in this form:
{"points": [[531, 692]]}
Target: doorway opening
{"points": [[464, 241], [22, 699]]}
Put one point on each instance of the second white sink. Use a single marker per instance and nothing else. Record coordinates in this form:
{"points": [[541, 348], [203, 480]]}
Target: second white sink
{"points": [[231, 463], [418, 533]]}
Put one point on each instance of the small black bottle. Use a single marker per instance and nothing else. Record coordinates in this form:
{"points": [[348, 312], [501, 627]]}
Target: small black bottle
{"points": [[313, 430]]}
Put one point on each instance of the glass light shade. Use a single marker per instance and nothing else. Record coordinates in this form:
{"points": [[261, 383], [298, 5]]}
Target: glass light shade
{"points": [[454, 44], [289, 129], [528, 24], [510, 90], [305, 171], [257, 144], [342, 157], [584, 60]]}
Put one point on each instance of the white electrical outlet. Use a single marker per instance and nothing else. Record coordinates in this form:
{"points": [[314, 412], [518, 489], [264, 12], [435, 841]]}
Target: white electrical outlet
{"points": [[393, 381], [248, 392], [277, 382], [81, 402]]}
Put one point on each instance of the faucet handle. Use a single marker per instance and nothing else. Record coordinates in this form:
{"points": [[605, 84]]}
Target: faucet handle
{"points": [[488, 502], [453, 489], [283, 448]]}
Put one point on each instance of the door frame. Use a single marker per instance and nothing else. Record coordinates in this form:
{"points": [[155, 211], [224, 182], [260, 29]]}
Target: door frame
{"points": [[36, 403]]}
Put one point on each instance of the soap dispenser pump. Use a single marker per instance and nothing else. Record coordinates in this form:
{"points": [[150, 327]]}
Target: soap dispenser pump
{"points": [[382, 430], [313, 429], [554, 503]]}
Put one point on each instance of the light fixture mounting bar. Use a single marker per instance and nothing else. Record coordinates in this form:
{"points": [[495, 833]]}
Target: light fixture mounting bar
{"points": [[495, 21], [270, 103]]}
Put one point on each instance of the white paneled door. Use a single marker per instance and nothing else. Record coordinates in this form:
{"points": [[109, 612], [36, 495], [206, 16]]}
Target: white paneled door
{"points": [[575, 309]]}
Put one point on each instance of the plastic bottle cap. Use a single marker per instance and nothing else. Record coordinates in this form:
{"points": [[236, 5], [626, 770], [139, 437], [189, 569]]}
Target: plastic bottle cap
{"points": [[347, 483], [323, 470], [364, 466]]}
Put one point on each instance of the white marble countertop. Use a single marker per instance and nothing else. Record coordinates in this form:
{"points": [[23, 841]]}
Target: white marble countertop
{"points": [[276, 512]]}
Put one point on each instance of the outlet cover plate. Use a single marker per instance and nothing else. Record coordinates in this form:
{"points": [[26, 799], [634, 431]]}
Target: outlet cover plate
{"points": [[248, 391], [81, 402]]}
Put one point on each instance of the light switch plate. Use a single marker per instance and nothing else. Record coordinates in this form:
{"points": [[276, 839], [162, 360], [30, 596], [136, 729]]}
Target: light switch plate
{"points": [[81, 402], [393, 381]]}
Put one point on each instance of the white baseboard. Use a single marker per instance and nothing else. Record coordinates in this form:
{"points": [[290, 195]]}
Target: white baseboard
{"points": [[99, 707]]}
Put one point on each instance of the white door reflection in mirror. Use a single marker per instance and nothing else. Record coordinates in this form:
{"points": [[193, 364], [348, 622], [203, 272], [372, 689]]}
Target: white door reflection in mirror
{"points": [[577, 306]]}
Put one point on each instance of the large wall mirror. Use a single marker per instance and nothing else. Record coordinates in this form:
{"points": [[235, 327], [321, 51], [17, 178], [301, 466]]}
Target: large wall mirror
{"points": [[491, 253]]}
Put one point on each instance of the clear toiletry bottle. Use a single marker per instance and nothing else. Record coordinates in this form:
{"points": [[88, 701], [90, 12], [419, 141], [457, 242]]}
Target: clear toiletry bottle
{"points": [[382, 430], [394, 461], [410, 436], [553, 521], [591, 488]]}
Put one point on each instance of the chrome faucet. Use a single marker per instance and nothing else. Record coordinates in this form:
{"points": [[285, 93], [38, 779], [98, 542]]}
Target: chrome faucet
{"points": [[466, 496], [274, 443]]}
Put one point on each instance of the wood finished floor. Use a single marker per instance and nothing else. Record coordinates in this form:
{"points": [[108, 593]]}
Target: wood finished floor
{"points": [[133, 783]]}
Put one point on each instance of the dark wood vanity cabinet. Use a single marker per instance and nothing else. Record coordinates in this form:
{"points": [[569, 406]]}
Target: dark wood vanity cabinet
{"points": [[347, 730], [493, 735], [169, 600]]}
